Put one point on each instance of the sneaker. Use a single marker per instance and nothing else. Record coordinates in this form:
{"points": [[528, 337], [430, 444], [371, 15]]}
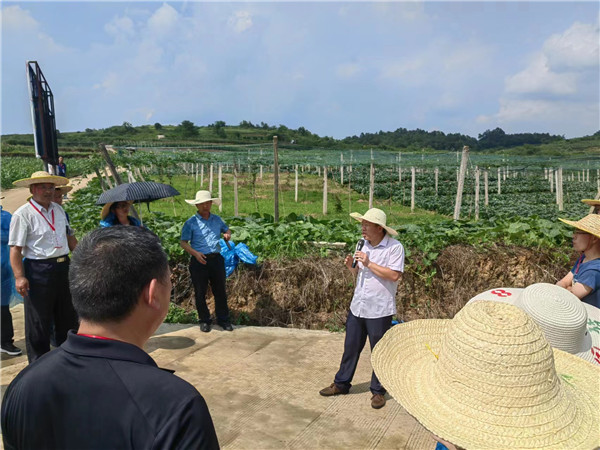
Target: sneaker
{"points": [[377, 401], [205, 327], [333, 389], [226, 326], [10, 349]]}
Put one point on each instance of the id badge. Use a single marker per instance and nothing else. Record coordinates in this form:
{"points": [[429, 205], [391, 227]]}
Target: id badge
{"points": [[55, 239]]}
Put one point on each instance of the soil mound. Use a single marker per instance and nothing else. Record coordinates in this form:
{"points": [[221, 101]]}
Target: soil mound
{"points": [[315, 293]]}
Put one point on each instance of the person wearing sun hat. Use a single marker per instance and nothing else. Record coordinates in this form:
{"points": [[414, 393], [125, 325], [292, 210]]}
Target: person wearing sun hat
{"points": [[592, 202], [40, 238], [200, 238], [584, 278], [117, 213], [568, 323], [488, 378], [379, 268]]}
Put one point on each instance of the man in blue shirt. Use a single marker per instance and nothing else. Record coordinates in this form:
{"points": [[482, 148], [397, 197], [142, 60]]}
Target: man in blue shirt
{"points": [[200, 238]]}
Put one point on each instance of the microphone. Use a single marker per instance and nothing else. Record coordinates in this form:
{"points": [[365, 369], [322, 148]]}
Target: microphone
{"points": [[359, 246]]}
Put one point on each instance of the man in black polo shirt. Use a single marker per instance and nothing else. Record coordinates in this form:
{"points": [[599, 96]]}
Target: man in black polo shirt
{"points": [[100, 389]]}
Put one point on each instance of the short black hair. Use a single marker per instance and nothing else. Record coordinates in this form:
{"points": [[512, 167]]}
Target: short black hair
{"points": [[109, 269]]}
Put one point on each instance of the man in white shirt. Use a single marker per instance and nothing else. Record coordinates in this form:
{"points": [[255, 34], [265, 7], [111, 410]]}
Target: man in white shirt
{"points": [[379, 267], [39, 241]]}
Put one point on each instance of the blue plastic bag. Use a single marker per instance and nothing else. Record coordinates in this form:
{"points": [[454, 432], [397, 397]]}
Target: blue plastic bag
{"points": [[233, 254]]}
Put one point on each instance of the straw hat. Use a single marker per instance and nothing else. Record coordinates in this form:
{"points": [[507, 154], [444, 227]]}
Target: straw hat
{"points": [[568, 323], [64, 189], [489, 379], [106, 208], [203, 196], [376, 216], [41, 177], [591, 202], [589, 224]]}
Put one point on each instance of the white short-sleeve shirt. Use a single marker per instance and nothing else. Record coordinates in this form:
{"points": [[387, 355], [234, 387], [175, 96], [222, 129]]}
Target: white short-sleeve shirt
{"points": [[31, 230], [375, 297]]}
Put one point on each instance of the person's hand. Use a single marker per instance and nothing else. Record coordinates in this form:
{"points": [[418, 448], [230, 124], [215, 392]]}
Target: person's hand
{"points": [[348, 261], [201, 258], [22, 286], [227, 235], [363, 258]]}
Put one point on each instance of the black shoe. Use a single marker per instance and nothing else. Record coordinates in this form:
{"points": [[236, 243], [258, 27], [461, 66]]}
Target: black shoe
{"points": [[10, 349], [226, 326], [205, 327]]}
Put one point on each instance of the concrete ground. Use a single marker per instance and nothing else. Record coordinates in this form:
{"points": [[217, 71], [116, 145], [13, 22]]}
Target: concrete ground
{"points": [[262, 388]]}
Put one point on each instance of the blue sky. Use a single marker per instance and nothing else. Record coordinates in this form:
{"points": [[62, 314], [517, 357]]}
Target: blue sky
{"points": [[337, 69]]}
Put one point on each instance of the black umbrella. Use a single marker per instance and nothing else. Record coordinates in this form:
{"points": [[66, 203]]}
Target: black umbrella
{"points": [[140, 191]]}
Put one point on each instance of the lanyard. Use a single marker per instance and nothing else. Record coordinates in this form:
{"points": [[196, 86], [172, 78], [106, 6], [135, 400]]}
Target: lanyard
{"points": [[96, 337], [41, 214]]}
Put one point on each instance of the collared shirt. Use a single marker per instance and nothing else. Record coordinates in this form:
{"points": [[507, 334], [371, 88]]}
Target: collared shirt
{"points": [[374, 296], [31, 230], [104, 394], [204, 234]]}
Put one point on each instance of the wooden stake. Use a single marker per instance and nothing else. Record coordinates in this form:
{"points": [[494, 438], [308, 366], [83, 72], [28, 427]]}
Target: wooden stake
{"points": [[235, 190], [485, 187], [296, 185], [437, 171], [275, 179], [412, 189], [220, 184], [210, 179], [499, 190], [371, 183], [324, 190], [461, 182], [476, 193]]}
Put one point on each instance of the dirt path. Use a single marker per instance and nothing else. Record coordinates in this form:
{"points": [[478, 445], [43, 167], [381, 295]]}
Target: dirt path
{"points": [[13, 198]]}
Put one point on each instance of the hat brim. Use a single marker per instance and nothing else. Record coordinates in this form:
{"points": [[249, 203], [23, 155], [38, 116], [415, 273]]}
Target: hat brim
{"points": [[582, 227], [360, 218], [215, 201], [512, 296], [53, 179], [106, 209], [406, 367], [64, 189], [591, 202]]}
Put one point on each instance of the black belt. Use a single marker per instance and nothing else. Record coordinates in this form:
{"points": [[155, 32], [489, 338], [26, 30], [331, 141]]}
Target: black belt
{"points": [[211, 255], [57, 260]]}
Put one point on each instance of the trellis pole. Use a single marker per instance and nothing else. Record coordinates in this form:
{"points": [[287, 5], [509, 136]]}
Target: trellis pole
{"points": [[476, 193], [275, 180], [220, 183], [371, 184], [210, 179], [324, 190], [499, 189], [461, 181], [235, 190], [412, 189], [296, 185], [437, 171], [485, 187]]}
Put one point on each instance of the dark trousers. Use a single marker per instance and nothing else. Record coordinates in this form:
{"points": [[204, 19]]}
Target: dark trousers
{"points": [[7, 325], [213, 271], [49, 300], [357, 330]]}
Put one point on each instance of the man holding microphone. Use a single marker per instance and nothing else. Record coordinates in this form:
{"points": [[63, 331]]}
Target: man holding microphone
{"points": [[378, 267]]}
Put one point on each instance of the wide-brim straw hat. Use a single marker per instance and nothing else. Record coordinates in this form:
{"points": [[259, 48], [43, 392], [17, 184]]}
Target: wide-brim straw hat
{"points": [[489, 379], [202, 197], [106, 208], [591, 201], [64, 189], [375, 215], [568, 323], [41, 177], [589, 224]]}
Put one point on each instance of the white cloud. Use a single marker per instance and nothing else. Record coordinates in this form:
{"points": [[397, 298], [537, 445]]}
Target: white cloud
{"points": [[16, 19], [576, 48], [163, 21], [120, 28], [110, 83], [348, 70], [538, 78], [240, 21]]}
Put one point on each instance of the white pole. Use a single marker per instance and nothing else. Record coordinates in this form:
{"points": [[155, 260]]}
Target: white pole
{"points": [[461, 181], [412, 189], [296, 186], [476, 193], [220, 187], [325, 190]]}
